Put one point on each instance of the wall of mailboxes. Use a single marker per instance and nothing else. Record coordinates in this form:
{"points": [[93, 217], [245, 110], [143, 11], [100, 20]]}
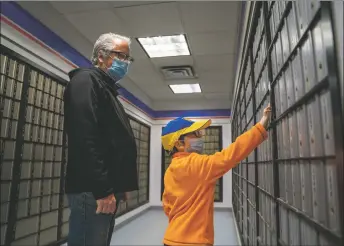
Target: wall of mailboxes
{"points": [[289, 191], [212, 144], [34, 209]]}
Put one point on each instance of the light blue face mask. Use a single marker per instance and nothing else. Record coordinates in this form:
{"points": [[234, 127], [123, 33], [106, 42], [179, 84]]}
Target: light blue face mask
{"points": [[196, 145], [118, 69]]}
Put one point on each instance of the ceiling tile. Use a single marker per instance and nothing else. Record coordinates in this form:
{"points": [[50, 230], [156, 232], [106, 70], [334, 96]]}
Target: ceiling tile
{"points": [[124, 4], [216, 96], [212, 43], [77, 6], [212, 63], [215, 87], [97, 23], [159, 92], [215, 82], [152, 19], [142, 72], [210, 16], [215, 77], [189, 96]]}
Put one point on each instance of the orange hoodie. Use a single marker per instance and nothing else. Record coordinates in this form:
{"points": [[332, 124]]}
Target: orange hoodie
{"points": [[190, 180]]}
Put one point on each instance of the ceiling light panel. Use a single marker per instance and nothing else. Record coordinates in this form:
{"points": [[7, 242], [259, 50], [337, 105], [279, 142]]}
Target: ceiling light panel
{"points": [[186, 88], [165, 46]]}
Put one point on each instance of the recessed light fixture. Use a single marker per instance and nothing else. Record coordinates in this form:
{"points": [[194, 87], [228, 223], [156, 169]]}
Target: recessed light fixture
{"points": [[186, 88], [165, 46]]}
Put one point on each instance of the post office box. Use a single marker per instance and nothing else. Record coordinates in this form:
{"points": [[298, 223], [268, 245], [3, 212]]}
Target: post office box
{"points": [[277, 16], [286, 139], [289, 182], [318, 191], [327, 123], [314, 127], [319, 53], [48, 236], [294, 229], [306, 187], [284, 225], [272, 23], [312, 7], [282, 94], [309, 234], [292, 27], [332, 196], [302, 125], [301, 10], [279, 53], [26, 226], [289, 86], [308, 62], [285, 41], [296, 183], [293, 135]]}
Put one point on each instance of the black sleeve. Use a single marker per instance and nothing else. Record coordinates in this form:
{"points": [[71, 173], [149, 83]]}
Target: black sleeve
{"points": [[83, 107]]}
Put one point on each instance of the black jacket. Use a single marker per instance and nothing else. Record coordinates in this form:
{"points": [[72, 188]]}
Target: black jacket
{"points": [[101, 145]]}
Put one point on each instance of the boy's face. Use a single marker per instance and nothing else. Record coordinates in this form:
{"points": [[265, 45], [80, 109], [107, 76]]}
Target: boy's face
{"points": [[184, 143]]}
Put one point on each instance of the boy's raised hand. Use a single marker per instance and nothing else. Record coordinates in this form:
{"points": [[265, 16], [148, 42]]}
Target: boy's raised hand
{"points": [[266, 116]]}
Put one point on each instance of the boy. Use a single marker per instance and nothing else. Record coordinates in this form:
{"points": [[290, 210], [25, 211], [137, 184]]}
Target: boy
{"points": [[188, 198]]}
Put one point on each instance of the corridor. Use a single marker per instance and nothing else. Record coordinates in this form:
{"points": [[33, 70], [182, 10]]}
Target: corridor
{"points": [[218, 60], [149, 227]]}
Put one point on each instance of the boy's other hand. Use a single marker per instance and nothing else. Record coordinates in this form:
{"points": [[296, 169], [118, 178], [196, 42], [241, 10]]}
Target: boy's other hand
{"points": [[266, 116]]}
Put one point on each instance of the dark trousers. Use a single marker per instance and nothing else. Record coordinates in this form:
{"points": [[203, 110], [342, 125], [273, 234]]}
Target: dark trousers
{"points": [[86, 228]]}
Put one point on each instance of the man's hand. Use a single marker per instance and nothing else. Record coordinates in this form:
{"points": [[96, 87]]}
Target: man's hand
{"points": [[106, 205], [266, 116]]}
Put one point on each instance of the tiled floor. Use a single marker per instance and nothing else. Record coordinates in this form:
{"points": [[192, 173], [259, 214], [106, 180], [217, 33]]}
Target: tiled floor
{"points": [[149, 228]]}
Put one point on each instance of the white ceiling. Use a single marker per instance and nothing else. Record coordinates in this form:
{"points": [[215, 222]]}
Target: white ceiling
{"points": [[211, 28]]}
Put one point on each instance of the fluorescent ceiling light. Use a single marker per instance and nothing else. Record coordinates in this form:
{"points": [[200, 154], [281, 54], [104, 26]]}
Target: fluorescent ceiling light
{"points": [[186, 88], [165, 46]]}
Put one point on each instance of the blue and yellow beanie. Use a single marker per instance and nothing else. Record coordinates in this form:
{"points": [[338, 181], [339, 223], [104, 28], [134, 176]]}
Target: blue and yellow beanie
{"points": [[178, 127]]}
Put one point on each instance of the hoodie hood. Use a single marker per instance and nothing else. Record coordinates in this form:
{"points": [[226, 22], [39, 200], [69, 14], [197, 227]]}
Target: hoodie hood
{"points": [[100, 74]]}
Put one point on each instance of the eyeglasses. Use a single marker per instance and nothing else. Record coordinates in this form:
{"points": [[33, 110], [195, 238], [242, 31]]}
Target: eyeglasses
{"points": [[122, 56], [198, 134]]}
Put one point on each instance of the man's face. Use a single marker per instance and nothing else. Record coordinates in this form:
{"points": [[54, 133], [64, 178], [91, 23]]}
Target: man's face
{"points": [[120, 51], [184, 144]]}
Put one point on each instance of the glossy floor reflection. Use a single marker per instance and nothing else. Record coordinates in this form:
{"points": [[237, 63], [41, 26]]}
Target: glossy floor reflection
{"points": [[149, 228]]}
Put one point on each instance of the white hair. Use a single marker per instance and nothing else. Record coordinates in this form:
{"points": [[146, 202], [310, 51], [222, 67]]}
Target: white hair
{"points": [[105, 43]]}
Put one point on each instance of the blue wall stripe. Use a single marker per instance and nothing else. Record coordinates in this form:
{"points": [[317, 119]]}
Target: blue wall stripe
{"points": [[25, 20]]}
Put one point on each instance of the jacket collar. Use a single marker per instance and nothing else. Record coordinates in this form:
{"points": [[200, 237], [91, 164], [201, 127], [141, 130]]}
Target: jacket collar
{"points": [[107, 78]]}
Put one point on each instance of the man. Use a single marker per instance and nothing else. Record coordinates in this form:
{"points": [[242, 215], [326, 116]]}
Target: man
{"points": [[190, 180], [101, 146]]}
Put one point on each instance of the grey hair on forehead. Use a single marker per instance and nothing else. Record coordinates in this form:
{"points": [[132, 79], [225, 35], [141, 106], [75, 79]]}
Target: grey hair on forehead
{"points": [[105, 43]]}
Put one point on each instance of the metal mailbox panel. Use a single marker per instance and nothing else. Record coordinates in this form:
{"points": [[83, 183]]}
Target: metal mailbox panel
{"points": [[279, 53], [294, 229], [289, 86], [292, 27], [305, 156], [298, 77], [308, 64], [319, 53]]}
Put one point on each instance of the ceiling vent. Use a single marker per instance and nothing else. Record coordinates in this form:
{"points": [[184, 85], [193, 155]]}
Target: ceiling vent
{"points": [[179, 72]]}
